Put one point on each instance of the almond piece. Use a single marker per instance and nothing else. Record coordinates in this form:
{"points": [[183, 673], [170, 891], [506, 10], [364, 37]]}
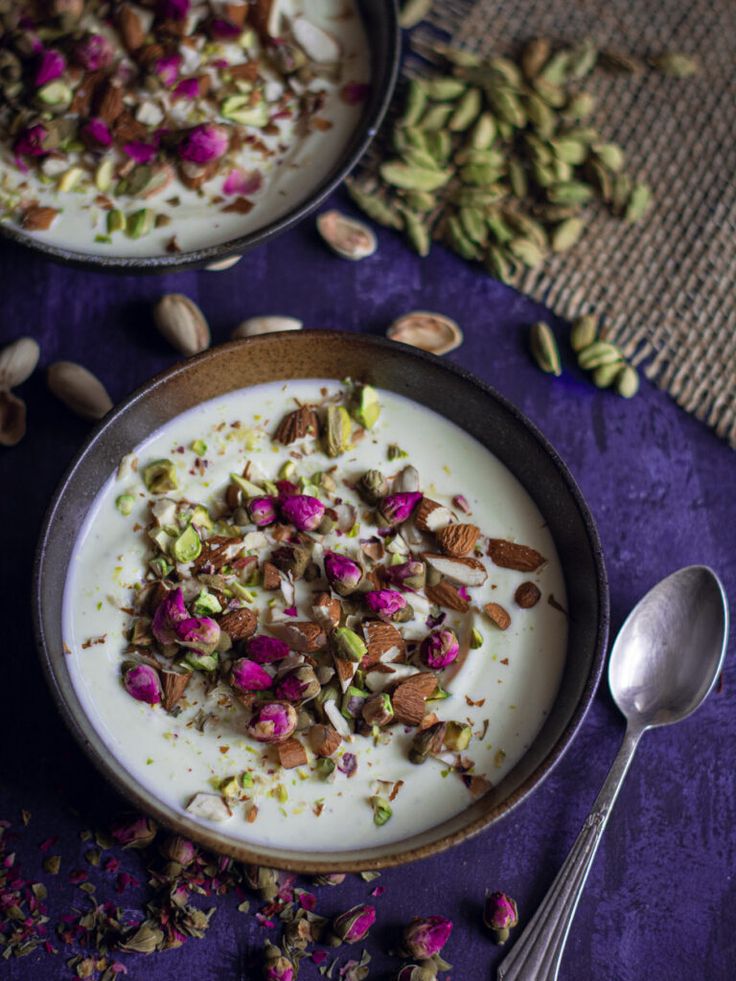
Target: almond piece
{"points": [[130, 27], [410, 696], [174, 684], [291, 754], [271, 576], [239, 624], [326, 610], [431, 516], [465, 571], [37, 218], [498, 615], [527, 595], [216, 552], [345, 671], [324, 740], [109, 103], [384, 642], [305, 636], [457, 539], [447, 595], [509, 555], [127, 128], [297, 424]]}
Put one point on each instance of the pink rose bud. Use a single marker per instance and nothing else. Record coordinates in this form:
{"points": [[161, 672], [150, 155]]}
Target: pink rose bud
{"points": [[342, 573], [167, 68], [223, 30], [277, 966], [93, 52], [177, 849], [302, 511], [137, 832], [500, 915], [96, 133], [262, 511], [399, 507], [173, 9], [249, 676], [140, 152], [385, 602], [407, 575], [286, 489], [51, 66], [426, 936], [290, 689], [273, 722], [352, 926], [266, 650], [418, 972], [204, 143], [188, 88], [169, 612], [142, 682], [30, 142], [201, 634], [440, 648]]}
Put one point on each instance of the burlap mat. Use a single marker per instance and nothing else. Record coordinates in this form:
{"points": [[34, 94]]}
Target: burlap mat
{"points": [[666, 287]]}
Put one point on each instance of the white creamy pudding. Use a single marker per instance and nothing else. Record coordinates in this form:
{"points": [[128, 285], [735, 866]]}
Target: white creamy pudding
{"points": [[138, 129], [299, 614]]}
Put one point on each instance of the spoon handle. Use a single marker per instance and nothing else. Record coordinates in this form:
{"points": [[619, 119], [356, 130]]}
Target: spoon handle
{"points": [[538, 951]]}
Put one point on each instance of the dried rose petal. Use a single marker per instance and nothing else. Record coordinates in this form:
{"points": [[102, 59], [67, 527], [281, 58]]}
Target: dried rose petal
{"points": [[167, 68], [385, 602], [51, 66], [290, 689], [201, 634], [353, 93], [223, 30], [249, 676], [173, 9], [396, 508], [188, 88], [302, 511], [500, 915], [440, 648], [169, 612], [343, 574], [243, 182], [273, 722], [140, 152], [286, 489], [30, 142], [277, 966], [353, 925], [178, 849], [137, 832], [426, 936], [406, 575], [262, 510], [204, 143], [97, 133], [93, 52], [266, 650], [142, 682]]}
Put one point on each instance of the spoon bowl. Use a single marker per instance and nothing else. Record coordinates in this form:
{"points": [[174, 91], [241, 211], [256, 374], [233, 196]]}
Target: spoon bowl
{"points": [[669, 652]]}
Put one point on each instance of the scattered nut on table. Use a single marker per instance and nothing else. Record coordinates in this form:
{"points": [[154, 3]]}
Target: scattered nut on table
{"points": [[265, 325], [78, 389], [182, 323], [433, 332]]}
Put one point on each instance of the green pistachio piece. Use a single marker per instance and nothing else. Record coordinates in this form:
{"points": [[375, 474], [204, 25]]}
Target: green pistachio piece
{"points": [[337, 430], [115, 221], [206, 604], [325, 768], [160, 567], [544, 349], [201, 662], [200, 518], [125, 503], [188, 546], [366, 408], [348, 645], [413, 178], [55, 94], [238, 109], [287, 471], [627, 382], [566, 234], [139, 223], [160, 476], [476, 639], [199, 447], [597, 354], [248, 488], [458, 736], [382, 811], [584, 331]]}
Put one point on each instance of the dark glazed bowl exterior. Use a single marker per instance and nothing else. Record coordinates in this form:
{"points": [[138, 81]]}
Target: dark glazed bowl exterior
{"points": [[381, 22], [458, 396]]}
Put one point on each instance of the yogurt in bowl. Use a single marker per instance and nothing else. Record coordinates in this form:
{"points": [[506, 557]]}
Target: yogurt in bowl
{"points": [[315, 615]]}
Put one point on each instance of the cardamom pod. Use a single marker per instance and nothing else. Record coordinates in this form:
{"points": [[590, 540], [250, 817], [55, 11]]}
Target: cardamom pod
{"points": [[500, 264], [553, 95], [499, 228], [466, 112], [597, 354], [413, 178], [627, 382], [540, 115], [582, 60], [544, 349], [639, 202], [579, 106], [675, 64], [445, 88], [416, 102], [605, 374], [474, 225], [621, 62], [583, 332], [610, 155], [182, 323], [527, 251], [567, 234], [527, 227], [534, 56], [17, 362], [78, 389], [459, 241], [420, 201], [570, 192], [569, 151], [517, 179], [484, 132], [436, 117], [374, 206], [412, 12], [557, 68], [507, 106], [417, 231]]}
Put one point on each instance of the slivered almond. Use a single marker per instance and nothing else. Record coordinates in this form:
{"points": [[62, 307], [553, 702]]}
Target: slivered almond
{"points": [[498, 615], [457, 539], [509, 555], [304, 636], [174, 685], [324, 740], [447, 595], [291, 754], [326, 610], [410, 696], [239, 624], [37, 218], [217, 551], [382, 640], [465, 571], [130, 27], [271, 576], [345, 671], [431, 516]]}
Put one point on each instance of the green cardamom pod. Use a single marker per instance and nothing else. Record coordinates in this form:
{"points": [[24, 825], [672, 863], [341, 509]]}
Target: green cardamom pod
{"points": [[459, 241], [675, 64], [499, 228], [413, 178], [527, 251], [605, 374], [507, 106], [569, 151], [439, 144], [582, 60], [583, 332], [638, 203], [500, 264], [557, 68], [598, 353], [373, 206], [445, 88], [474, 225], [540, 115], [620, 62], [600, 178], [527, 227], [477, 196], [553, 95], [567, 234], [419, 158], [579, 106], [570, 192], [436, 117], [610, 155], [544, 349], [507, 70], [420, 201], [517, 179], [480, 174], [457, 56], [583, 134], [484, 132], [627, 382], [467, 111], [412, 12], [534, 56], [417, 231], [416, 102]]}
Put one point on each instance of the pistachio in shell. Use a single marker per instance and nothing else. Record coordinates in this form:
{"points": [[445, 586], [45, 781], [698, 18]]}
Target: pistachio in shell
{"points": [[78, 389], [270, 324], [182, 323], [349, 238], [17, 362], [433, 332], [12, 418]]}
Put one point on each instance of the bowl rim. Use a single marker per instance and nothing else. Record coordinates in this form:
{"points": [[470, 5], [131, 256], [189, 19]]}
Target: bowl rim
{"points": [[135, 794], [362, 137]]}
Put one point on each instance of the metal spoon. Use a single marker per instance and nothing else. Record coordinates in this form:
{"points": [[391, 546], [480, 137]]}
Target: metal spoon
{"points": [[663, 664]]}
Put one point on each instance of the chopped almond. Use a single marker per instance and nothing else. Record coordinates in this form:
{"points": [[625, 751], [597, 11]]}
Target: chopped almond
{"points": [[498, 615], [291, 754]]}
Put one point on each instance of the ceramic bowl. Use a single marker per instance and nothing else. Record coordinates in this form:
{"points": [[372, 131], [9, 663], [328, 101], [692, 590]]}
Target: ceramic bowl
{"points": [[381, 26], [454, 393]]}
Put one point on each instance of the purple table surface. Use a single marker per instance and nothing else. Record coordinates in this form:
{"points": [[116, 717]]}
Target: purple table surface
{"points": [[660, 900]]}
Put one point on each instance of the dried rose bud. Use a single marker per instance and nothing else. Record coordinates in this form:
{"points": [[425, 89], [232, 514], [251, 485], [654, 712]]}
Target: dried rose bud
{"points": [[298, 685], [418, 972], [330, 879], [303, 511], [286, 489], [30, 142], [167, 68], [352, 926], [201, 634], [248, 676], [266, 650], [440, 648], [169, 612], [96, 134], [204, 143], [426, 936], [136, 833], [175, 848], [386, 602], [277, 966], [397, 508], [93, 52], [500, 915], [262, 511], [343, 574], [372, 486], [263, 880], [273, 722], [411, 575], [51, 66], [143, 683]]}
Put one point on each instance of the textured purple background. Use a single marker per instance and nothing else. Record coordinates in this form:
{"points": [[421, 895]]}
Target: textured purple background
{"points": [[661, 898]]}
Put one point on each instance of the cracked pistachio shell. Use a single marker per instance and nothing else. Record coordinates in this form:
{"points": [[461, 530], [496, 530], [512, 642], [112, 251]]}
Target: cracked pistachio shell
{"points": [[78, 389], [182, 323], [346, 236], [17, 362], [265, 325], [12, 418], [432, 332], [544, 349]]}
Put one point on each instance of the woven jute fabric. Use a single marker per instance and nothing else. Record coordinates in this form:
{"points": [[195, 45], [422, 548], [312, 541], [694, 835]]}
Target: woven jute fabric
{"points": [[665, 288]]}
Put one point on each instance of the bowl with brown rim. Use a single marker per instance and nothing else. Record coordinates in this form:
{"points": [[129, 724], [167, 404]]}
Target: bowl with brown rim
{"points": [[447, 389]]}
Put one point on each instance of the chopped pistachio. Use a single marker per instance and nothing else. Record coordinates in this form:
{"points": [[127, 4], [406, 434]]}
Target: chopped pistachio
{"points": [[160, 476], [199, 447], [476, 639], [125, 503], [206, 604], [458, 736], [69, 179], [188, 546], [337, 430], [367, 408], [115, 221], [139, 223], [348, 644], [395, 452], [104, 175], [382, 810], [287, 471]]}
